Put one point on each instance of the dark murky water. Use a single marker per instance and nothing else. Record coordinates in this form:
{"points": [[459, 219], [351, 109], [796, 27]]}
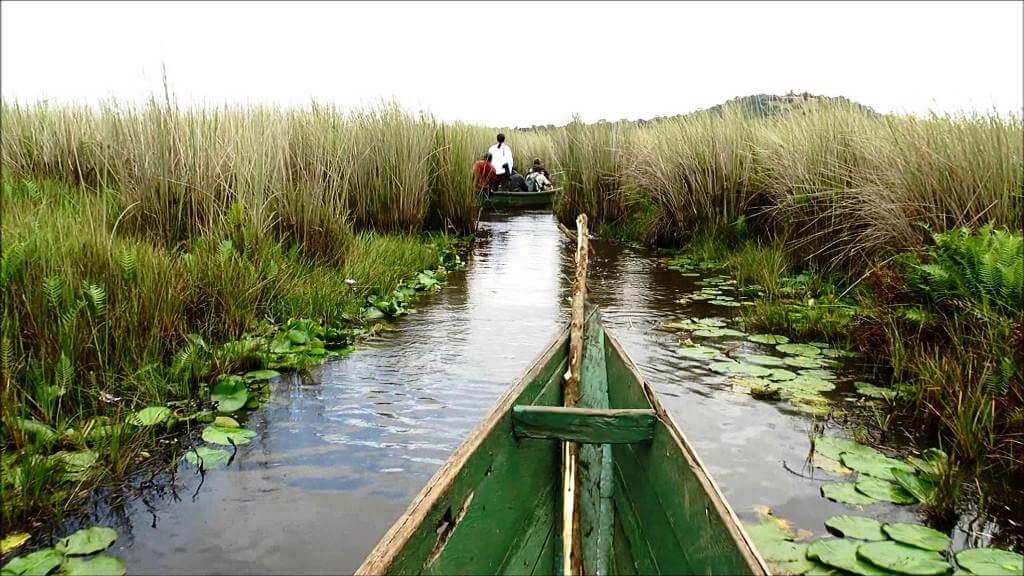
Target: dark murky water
{"points": [[338, 459]]}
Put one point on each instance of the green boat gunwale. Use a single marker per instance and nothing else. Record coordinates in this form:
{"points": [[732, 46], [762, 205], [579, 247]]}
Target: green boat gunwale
{"points": [[384, 554]]}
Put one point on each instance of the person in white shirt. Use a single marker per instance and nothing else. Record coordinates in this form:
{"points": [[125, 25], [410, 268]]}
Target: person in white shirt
{"points": [[501, 159]]}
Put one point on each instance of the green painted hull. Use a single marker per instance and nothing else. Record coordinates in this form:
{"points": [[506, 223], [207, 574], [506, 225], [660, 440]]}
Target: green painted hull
{"points": [[495, 506], [519, 199]]}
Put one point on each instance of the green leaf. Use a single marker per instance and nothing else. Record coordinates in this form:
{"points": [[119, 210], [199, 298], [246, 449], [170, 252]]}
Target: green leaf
{"points": [[226, 422], [227, 436], [884, 490], [859, 527], [76, 463], [150, 416], [296, 336], [699, 352], [768, 339], [873, 391], [846, 493], [13, 540], [208, 458], [803, 361], [876, 465], [834, 447], [38, 563], [87, 541], [903, 559], [991, 561], [763, 360], [781, 375], [41, 432], [921, 488], [717, 332], [730, 367], [261, 375], [798, 349], [102, 565], [229, 393], [796, 567], [918, 536], [842, 554]]}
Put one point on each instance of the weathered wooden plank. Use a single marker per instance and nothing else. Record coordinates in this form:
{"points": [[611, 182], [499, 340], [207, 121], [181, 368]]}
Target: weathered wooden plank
{"points": [[622, 555], [707, 530], [633, 483], [596, 481], [572, 551], [584, 425], [633, 536], [523, 558]]}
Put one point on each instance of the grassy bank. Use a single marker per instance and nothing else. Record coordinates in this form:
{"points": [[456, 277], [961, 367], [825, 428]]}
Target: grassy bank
{"points": [[103, 317], [899, 234]]}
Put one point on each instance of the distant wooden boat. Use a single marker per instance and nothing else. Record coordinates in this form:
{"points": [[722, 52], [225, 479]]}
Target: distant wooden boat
{"points": [[520, 199], [577, 470]]}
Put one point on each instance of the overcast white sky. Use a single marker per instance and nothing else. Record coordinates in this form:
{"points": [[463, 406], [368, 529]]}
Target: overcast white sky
{"points": [[519, 63]]}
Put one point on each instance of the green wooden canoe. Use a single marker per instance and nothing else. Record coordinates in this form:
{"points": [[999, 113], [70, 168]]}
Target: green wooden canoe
{"points": [[520, 199], [646, 504]]}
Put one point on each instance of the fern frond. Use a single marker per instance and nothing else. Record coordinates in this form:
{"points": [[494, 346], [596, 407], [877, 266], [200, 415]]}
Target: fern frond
{"points": [[96, 296], [53, 287], [128, 264], [65, 374]]}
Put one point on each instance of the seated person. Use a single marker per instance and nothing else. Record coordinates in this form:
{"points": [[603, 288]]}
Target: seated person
{"points": [[517, 183], [483, 173]]}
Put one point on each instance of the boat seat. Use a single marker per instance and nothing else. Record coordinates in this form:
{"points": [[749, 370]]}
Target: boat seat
{"points": [[584, 425]]}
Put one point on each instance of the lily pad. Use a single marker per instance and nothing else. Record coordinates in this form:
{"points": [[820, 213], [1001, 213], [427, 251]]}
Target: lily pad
{"points": [[819, 373], [875, 465], [804, 383], [845, 493], [884, 490], [917, 536], [834, 447], [150, 416], [798, 349], [768, 338], [38, 563], [226, 422], [763, 360], [921, 488], [803, 362], [76, 463], [721, 302], [835, 353], [859, 527], [87, 541], [227, 436], [903, 559], [841, 553], [13, 541], [821, 345], [873, 391], [781, 375], [699, 352], [717, 332], [829, 465], [796, 567], [261, 375], [102, 565], [230, 394], [993, 561], [739, 368], [208, 458]]}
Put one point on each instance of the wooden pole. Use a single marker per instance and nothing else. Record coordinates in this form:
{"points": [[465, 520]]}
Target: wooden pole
{"points": [[572, 547]]}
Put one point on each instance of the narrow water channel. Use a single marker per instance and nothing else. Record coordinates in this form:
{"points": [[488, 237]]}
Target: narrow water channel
{"points": [[339, 457]]}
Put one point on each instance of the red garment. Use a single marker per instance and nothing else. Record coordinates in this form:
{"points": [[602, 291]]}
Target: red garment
{"points": [[483, 174]]}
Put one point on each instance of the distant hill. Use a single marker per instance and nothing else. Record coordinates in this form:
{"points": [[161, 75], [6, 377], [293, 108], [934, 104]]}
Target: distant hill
{"points": [[764, 105], [755, 105]]}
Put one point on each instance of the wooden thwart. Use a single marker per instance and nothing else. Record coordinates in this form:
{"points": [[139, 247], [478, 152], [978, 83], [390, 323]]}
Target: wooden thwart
{"points": [[584, 425]]}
